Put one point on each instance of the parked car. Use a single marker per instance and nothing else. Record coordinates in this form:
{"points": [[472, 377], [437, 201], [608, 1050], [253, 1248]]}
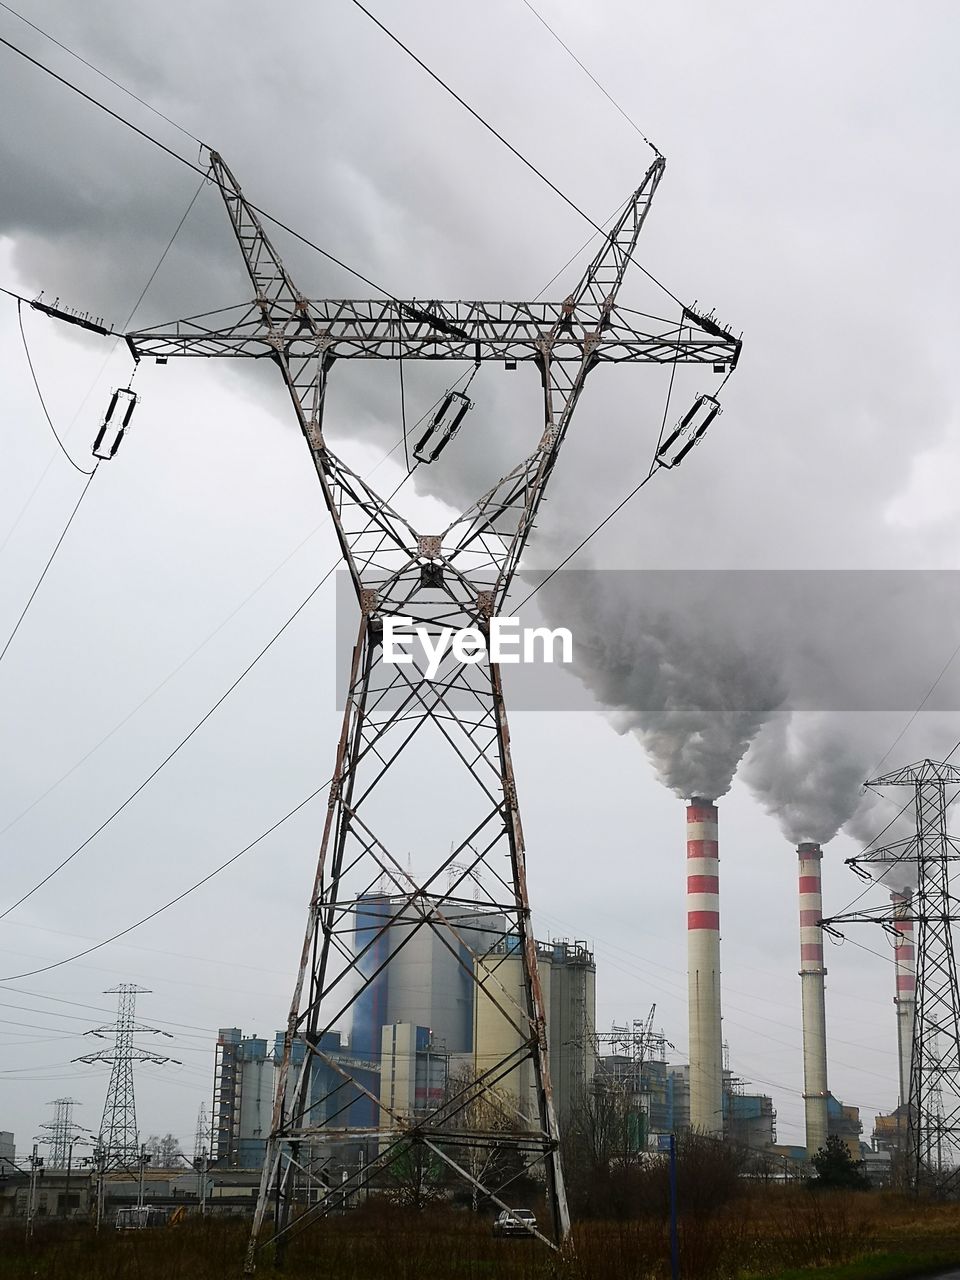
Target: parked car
{"points": [[515, 1222]]}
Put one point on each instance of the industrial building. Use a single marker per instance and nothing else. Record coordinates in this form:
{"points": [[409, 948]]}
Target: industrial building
{"points": [[429, 979], [413, 1073], [747, 1118], [571, 1024], [568, 978], [844, 1122], [419, 1018], [633, 1059], [244, 1085], [433, 980], [498, 1029]]}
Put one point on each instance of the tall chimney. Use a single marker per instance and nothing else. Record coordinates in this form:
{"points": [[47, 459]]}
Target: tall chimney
{"points": [[703, 967], [906, 997], [812, 973]]}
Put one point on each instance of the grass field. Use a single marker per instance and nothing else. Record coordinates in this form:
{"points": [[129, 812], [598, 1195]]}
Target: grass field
{"points": [[768, 1234]]}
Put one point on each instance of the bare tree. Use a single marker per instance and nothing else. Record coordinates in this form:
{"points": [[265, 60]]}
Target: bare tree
{"points": [[477, 1107], [165, 1152]]}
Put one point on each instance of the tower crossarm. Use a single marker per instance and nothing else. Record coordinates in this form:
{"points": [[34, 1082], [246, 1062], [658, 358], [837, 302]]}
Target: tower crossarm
{"points": [[388, 329], [305, 337]]}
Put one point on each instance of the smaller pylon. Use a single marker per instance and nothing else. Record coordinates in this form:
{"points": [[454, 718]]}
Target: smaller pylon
{"points": [[201, 1142], [119, 1138], [64, 1134]]}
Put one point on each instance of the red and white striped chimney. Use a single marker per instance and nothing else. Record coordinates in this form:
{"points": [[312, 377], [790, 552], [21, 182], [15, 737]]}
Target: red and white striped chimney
{"points": [[812, 973], [703, 967], [906, 997]]}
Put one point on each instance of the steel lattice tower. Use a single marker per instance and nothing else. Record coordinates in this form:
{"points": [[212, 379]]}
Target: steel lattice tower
{"points": [[201, 1139], [459, 578], [63, 1132], [933, 1114], [119, 1139]]}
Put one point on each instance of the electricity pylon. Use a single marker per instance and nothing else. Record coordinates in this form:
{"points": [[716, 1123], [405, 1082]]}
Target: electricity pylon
{"points": [[459, 578], [119, 1141], [63, 1133], [201, 1140], [924, 860]]}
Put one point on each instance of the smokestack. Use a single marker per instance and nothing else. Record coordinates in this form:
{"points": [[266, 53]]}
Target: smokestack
{"points": [[906, 997], [703, 967], [812, 973]]}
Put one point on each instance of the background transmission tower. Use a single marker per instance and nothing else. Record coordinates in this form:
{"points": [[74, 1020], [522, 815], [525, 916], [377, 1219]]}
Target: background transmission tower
{"points": [[924, 860], [201, 1141], [119, 1141], [64, 1134]]}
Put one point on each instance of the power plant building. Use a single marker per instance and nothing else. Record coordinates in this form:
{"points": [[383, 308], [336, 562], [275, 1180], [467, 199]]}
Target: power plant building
{"points": [[571, 1024], [416, 1015], [245, 1083], [414, 1075], [429, 978], [568, 978]]}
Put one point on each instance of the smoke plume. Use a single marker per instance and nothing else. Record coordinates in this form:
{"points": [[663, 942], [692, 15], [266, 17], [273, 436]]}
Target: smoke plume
{"points": [[806, 771], [694, 694]]}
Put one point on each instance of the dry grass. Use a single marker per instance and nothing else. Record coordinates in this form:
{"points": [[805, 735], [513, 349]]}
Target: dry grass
{"points": [[770, 1233]]}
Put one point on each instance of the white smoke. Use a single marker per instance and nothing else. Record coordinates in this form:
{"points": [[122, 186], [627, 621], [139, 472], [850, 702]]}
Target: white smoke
{"points": [[807, 769], [694, 694], [709, 668]]}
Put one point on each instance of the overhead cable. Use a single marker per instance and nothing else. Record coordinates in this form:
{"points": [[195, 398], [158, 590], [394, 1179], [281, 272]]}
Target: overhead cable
{"points": [[121, 933], [116, 83], [43, 404], [46, 567], [500, 138], [175, 155], [586, 70], [196, 727]]}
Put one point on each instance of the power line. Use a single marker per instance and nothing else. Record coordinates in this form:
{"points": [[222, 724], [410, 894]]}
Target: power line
{"points": [[43, 404], [175, 155], [46, 567], [199, 724], [121, 933], [167, 758], [148, 137], [586, 70], [20, 300], [169, 246], [165, 681], [593, 532], [116, 83], [500, 138], [926, 698]]}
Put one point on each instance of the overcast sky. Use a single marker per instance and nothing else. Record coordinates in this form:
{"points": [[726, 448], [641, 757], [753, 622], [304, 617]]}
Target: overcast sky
{"points": [[809, 197]]}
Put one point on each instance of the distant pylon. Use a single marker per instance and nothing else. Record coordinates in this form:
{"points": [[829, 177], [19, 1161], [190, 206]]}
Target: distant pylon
{"points": [[119, 1139], [925, 860], [201, 1143], [63, 1132]]}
